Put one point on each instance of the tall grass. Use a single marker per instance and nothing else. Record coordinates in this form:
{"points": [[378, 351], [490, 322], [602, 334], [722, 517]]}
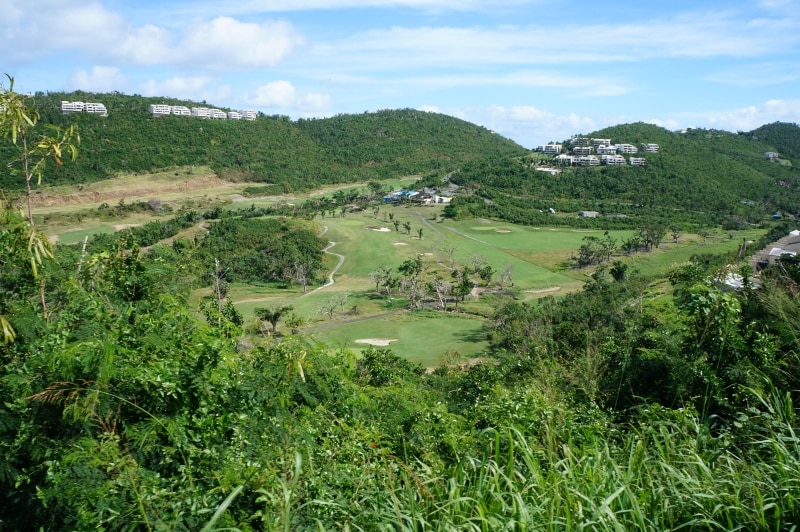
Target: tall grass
{"points": [[668, 473]]}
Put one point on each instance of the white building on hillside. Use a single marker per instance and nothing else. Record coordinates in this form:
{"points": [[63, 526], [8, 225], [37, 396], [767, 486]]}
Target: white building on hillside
{"points": [[650, 148], [159, 109], [549, 148], [582, 150], [606, 149], [201, 112], [95, 108], [180, 110], [219, 114], [248, 114], [614, 160], [234, 115], [71, 107], [638, 161], [627, 148]]}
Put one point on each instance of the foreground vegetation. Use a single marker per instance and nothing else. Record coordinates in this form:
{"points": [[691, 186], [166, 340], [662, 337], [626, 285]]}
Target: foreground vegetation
{"points": [[135, 395]]}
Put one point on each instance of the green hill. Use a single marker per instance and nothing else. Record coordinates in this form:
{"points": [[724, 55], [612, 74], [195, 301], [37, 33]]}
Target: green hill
{"points": [[703, 176], [272, 150]]}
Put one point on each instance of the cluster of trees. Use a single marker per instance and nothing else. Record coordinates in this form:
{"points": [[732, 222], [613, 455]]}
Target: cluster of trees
{"points": [[421, 283], [596, 250]]}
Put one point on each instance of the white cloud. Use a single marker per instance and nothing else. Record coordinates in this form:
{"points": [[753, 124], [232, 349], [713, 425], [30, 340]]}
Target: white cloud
{"points": [[100, 79], [282, 94], [222, 43], [751, 117], [225, 43]]}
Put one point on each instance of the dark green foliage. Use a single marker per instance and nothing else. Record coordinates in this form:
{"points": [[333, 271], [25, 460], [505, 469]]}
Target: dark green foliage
{"points": [[700, 177], [287, 156]]}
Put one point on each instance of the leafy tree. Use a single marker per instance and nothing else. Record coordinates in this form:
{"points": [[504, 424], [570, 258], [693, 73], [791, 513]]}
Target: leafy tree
{"points": [[18, 119], [272, 315]]}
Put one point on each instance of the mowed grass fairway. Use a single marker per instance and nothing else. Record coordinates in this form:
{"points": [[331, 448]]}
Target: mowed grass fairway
{"points": [[421, 337]]}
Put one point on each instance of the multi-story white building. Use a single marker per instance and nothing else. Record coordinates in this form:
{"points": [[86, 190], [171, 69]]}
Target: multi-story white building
{"points": [[180, 110], [201, 112], [650, 148], [248, 114], [614, 160], [580, 141], [71, 107], [549, 148], [582, 150], [606, 149], [159, 109], [564, 159], [234, 115], [598, 142], [219, 114], [638, 161], [589, 160], [95, 108], [627, 148]]}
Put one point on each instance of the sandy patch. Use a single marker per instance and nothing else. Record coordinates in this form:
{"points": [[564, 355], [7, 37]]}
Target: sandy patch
{"points": [[502, 230], [380, 229], [543, 290], [381, 342], [427, 254], [400, 243]]}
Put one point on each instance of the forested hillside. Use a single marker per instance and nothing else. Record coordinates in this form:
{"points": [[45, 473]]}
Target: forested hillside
{"points": [[271, 150], [700, 177]]}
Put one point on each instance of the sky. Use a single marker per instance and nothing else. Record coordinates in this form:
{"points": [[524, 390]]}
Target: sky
{"points": [[534, 71]]}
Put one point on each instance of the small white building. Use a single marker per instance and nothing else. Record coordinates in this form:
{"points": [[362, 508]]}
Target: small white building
{"points": [[650, 148], [627, 148], [549, 148], [160, 109], [180, 110], [772, 155], [201, 112], [606, 149], [564, 159], [95, 108], [588, 160], [598, 142], [638, 161], [582, 150], [248, 114], [234, 115], [588, 214], [614, 160], [71, 107], [219, 114]]}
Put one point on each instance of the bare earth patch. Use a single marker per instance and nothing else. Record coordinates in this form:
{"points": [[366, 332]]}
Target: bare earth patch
{"points": [[120, 227], [379, 229], [543, 290], [381, 342], [400, 244]]}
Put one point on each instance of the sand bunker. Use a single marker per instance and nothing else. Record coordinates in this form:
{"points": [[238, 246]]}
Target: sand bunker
{"points": [[502, 230], [400, 244], [543, 290], [380, 229], [381, 342]]}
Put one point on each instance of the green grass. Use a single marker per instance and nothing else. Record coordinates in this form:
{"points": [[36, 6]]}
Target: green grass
{"points": [[421, 337]]}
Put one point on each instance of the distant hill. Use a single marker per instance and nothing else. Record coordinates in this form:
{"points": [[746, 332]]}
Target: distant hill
{"points": [[271, 150], [780, 136], [700, 175]]}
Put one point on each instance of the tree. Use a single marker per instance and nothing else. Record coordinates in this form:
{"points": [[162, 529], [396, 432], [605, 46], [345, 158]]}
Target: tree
{"points": [[419, 233], [396, 225], [407, 227], [18, 118], [272, 315]]}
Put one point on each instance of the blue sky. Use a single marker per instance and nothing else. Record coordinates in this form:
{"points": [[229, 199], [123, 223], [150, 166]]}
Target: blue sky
{"points": [[531, 70]]}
